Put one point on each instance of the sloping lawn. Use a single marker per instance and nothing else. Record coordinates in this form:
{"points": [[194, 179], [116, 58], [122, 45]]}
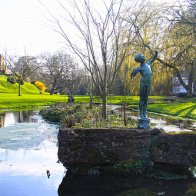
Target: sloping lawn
{"points": [[6, 87], [13, 101]]}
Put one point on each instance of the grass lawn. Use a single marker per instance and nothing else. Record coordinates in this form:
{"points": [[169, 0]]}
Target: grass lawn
{"points": [[9, 99], [175, 106], [30, 98], [187, 110], [6, 87], [26, 101], [182, 107]]}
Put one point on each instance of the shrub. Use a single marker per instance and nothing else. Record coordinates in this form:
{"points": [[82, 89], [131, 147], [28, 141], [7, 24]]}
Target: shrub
{"points": [[81, 116], [134, 166], [11, 79], [40, 85]]}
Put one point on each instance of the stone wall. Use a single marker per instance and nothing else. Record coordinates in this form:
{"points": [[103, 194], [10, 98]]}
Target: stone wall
{"points": [[176, 149], [108, 146], [102, 146]]}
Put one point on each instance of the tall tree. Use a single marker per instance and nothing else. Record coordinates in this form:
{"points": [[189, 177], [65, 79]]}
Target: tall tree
{"points": [[147, 23], [101, 47], [170, 30], [183, 20], [58, 70]]}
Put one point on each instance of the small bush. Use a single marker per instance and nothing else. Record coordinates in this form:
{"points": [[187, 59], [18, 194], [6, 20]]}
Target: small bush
{"points": [[81, 116], [40, 85], [11, 79]]}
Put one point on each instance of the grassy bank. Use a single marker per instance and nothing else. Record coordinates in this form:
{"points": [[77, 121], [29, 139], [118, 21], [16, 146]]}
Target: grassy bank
{"points": [[175, 106], [26, 101], [182, 107], [26, 88], [30, 98]]}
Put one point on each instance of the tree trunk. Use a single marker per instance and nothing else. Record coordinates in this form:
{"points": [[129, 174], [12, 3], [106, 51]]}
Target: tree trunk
{"points": [[91, 101], [104, 105], [124, 114], [52, 90], [19, 89], [190, 84]]}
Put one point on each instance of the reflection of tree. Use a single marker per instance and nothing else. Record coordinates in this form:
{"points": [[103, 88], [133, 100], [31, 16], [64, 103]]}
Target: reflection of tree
{"points": [[19, 116], [2, 120], [24, 116]]}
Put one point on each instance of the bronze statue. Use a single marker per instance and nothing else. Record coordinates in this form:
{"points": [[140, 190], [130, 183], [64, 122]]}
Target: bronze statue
{"points": [[145, 85]]}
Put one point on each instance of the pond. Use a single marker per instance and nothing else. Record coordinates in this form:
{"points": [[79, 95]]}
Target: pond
{"points": [[28, 155], [29, 163], [161, 121]]}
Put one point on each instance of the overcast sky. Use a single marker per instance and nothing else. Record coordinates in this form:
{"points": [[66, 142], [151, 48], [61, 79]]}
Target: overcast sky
{"points": [[22, 27]]}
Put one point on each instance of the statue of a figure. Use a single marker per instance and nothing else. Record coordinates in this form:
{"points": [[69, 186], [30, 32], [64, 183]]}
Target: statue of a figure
{"points": [[145, 82]]}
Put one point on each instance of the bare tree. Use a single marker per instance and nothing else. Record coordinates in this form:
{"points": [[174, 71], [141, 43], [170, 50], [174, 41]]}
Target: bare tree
{"points": [[59, 71], [101, 48], [21, 68]]}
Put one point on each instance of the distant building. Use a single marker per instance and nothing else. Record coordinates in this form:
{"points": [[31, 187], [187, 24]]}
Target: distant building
{"points": [[177, 87], [2, 64]]}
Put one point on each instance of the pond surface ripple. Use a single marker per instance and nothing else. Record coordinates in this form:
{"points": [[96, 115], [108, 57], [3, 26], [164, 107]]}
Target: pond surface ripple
{"points": [[28, 155]]}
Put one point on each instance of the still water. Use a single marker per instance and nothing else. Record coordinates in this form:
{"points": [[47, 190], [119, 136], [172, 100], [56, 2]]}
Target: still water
{"points": [[28, 155]]}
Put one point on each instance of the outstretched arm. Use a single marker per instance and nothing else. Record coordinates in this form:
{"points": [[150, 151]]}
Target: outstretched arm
{"points": [[135, 71], [153, 58]]}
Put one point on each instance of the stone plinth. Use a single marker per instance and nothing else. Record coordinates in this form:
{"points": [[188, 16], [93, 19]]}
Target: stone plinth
{"points": [[143, 123], [102, 146]]}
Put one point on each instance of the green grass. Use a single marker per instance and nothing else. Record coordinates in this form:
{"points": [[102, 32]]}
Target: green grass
{"points": [[13, 101], [9, 99], [186, 110], [180, 107], [133, 100], [3, 77], [175, 106], [30, 98], [6, 87]]}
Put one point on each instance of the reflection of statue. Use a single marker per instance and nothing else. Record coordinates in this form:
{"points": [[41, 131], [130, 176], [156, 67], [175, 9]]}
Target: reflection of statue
{"points": [[145, 82]]}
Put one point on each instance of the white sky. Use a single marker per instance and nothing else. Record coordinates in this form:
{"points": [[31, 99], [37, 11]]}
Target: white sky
{"points": [[22, 28]]}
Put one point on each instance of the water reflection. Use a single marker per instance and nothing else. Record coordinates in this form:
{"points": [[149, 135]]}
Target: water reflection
{"points": [[28, 149], [30, 166], [2, 120], [107, 184], [11, 118]]}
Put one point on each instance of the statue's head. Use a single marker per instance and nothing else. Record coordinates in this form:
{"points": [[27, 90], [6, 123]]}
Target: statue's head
{"points": [[140, 58]]}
